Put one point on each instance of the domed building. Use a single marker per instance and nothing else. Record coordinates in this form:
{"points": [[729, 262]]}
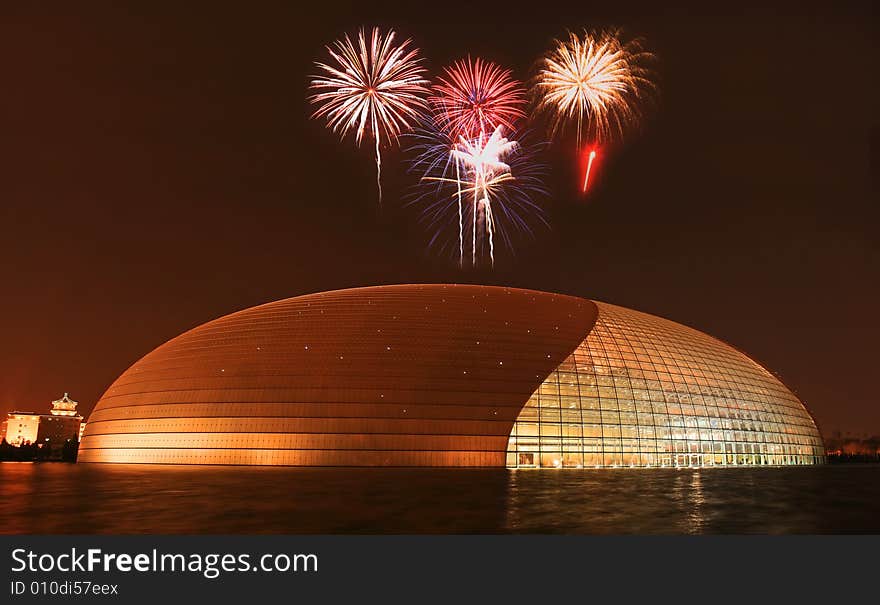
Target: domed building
{"points": [[448, 376]]}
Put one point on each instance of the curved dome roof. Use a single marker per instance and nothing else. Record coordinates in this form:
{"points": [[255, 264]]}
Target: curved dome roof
{"points": [[446, 375]]}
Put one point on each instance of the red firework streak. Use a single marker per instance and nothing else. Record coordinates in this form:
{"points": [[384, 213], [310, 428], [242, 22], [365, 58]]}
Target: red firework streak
{"points": [[590, 158]]}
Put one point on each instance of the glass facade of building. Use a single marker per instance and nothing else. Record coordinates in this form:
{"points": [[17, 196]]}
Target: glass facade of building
{"points": [[642, 391]]}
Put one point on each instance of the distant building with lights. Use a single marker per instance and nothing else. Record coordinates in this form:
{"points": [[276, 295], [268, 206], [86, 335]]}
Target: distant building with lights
{"points": [[61, 424]]}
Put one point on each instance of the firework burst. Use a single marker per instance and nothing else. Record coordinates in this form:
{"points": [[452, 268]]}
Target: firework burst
{"points": [[488, 186], [597, 81], [482, 159], [476, 96], [374, 88]]}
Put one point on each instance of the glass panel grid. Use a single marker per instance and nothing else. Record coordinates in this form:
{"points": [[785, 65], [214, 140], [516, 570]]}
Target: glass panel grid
{"points": [[642, 391]]}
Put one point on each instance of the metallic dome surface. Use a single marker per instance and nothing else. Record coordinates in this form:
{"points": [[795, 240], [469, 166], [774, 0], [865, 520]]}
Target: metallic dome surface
{"points": [[450, 376], [423, 375]]}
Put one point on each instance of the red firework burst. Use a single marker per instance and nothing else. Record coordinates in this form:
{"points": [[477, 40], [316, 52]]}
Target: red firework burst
{"points": [[474, 97]]}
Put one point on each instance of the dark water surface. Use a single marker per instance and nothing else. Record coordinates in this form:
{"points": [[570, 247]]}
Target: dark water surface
{"points": [[66, 498]]}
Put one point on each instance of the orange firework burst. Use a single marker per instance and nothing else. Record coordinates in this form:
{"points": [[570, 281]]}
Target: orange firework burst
{"points": [[596, 80], [377, 89]]}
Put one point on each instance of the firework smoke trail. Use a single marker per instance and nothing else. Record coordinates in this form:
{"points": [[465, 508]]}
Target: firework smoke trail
{"points": [[433, 157], [589, 167], [378, 169], [460, 216], [484, 159], [490, 227], [377, 89], [476, 179], [474, 241]]}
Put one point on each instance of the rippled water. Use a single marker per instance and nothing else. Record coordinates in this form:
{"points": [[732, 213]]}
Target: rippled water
{"points": [[65, 498]]}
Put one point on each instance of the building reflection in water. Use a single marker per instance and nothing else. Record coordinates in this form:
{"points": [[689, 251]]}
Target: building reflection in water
{"points": [[64, 498]]}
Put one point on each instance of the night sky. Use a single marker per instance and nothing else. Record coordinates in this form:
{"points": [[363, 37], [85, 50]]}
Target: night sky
{"points": [[158, 169]]}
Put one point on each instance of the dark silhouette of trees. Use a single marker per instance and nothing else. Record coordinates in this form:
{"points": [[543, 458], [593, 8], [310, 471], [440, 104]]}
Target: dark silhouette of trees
{"points": [[69, 450], [34, 452]]}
